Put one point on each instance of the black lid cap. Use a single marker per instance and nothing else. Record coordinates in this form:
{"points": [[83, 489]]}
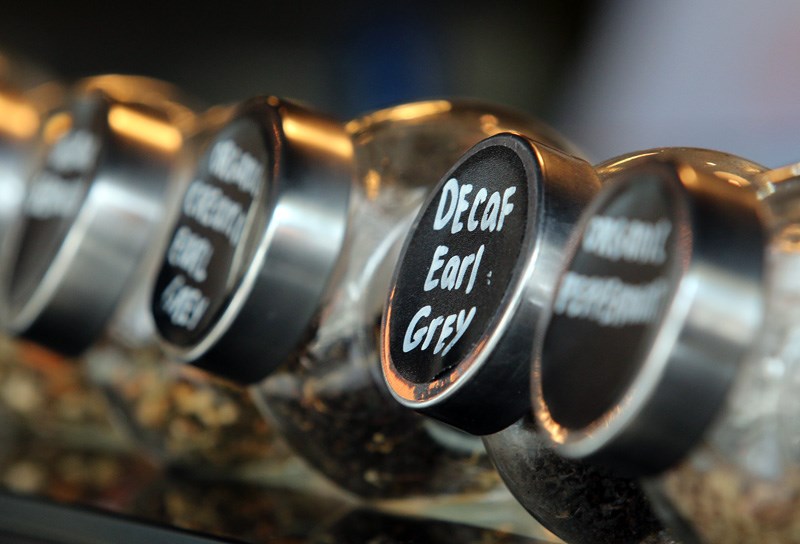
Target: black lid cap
{"points": [[657, 304], [92, 207], [261, 228], [473, 276]]}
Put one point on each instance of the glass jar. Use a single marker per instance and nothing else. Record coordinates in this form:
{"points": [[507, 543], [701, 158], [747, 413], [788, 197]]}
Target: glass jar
{"points": [[107, 166], [291, 302], [699, 401], [475, 373]]}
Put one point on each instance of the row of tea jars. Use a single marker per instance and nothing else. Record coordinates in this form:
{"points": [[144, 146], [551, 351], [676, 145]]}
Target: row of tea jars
{"points": [[285, 228], [631, 366]]}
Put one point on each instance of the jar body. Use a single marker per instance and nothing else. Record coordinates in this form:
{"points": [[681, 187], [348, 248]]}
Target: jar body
{"points": [[741, 483], [181, 417], [329, 399], [579, 502], [132, 398], [49, 396]]}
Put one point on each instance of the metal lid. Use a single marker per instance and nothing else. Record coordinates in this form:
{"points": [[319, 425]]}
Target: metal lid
{"points": [[657, 304], [91, 207], [473, 277], [261, 229], [27, 93]]}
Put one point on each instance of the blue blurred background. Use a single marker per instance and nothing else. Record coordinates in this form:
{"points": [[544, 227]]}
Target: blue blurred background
{"points": [[614, 76]]}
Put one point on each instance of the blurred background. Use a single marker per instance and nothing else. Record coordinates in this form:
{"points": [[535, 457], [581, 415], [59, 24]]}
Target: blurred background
{"points": [[614, 76]]}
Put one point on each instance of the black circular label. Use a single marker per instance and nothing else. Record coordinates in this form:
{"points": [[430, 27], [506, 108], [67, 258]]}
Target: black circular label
{"points": [[610, 300], [205, 259], [54, 195], [458, 264]]}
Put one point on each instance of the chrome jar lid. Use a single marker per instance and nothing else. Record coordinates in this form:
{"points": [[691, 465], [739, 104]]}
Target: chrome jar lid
{"points": [[656, 307], [473, 277], [91, 207], [261, 228]]}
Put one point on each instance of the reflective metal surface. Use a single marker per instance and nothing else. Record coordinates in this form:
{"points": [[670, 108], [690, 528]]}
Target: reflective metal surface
{"points": [[288, 248], [111, 157]]}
